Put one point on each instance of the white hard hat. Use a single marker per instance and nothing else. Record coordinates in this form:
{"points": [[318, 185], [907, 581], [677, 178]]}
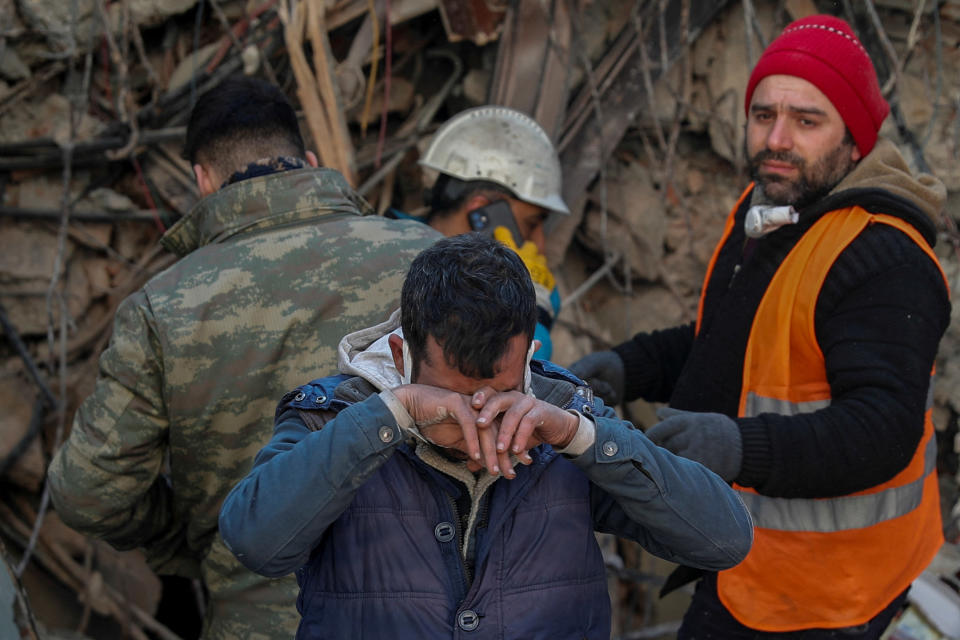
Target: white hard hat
{"points": [[500, 145]]}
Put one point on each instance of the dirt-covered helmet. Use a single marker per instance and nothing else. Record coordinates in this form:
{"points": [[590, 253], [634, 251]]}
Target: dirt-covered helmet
{"points": [[499, 145]]}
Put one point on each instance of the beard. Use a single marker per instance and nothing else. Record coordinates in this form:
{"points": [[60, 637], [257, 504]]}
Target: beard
{"points": [[814, 181]]}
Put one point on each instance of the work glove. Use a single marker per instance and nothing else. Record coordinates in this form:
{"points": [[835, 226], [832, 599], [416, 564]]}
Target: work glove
{"points": [[543, 282], [603, 371], [712, 439]]}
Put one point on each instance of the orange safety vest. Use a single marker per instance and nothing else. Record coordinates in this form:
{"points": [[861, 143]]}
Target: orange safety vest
{"points": [[828, 562]]}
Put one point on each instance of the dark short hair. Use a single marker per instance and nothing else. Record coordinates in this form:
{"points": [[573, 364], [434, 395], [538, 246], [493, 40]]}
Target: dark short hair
{"points": [[471, 294], [448, 194], [242, 120]]}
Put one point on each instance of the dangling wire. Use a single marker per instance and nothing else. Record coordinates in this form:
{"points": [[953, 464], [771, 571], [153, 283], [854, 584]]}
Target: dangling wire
{"points": [[386, 83], [197, 23], [374, 61]]}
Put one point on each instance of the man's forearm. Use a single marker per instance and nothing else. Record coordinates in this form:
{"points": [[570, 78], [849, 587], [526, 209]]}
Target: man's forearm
{"points": [[676, 508], [97, 504], [105, 479], [302, 481], [582, 437], [653, 362], [106, 485]]}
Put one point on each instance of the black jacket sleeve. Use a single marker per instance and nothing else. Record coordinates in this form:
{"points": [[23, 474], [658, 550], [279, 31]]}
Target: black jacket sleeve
{"points": [[652, 362], [879, 320]]}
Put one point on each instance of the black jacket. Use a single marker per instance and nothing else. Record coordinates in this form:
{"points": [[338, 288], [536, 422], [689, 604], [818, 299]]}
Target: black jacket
{"points": [[879, 318]]}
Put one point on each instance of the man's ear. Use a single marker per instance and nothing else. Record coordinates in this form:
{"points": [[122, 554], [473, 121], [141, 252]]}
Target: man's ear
{"points": [[476, 201], [536, 345], [396, 350], [312, 159], [206, 181], [855, 155]]}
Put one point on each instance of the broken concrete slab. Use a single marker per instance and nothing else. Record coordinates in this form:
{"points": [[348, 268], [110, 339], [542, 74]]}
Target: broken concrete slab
{"points": [[149, 13], [53, 19], [634, 225], [26, 268], [47, 117], [16, 397], [29, 253], [724, 65], [12, 67]]}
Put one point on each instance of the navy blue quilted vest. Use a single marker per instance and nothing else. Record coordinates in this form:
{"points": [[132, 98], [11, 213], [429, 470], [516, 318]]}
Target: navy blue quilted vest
{"points": [[390, 566]]}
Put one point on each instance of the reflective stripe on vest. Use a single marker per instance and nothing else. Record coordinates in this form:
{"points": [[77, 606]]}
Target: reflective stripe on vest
{"points": [[757, 404], [834, 562], [846, 512], [832, 514]]}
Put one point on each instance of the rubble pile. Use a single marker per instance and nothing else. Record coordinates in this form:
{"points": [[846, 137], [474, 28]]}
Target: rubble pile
{"points": [[644, 100]]}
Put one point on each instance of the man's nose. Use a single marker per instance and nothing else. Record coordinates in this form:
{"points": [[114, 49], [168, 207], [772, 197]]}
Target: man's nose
{"points": [[779, 137]]}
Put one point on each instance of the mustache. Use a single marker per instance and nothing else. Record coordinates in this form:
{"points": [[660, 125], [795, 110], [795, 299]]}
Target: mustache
{"points": [[777, 156]]}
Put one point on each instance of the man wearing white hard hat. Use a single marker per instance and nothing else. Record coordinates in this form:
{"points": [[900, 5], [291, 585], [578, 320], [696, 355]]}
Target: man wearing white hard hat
{"points": [[500, 173]]}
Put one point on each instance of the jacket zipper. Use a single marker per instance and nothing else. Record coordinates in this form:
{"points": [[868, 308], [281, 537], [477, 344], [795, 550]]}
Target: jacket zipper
{"points": [[467, 578]]}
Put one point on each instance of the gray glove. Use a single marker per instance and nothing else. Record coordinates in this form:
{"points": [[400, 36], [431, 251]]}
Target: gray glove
{"points": [[712, 439], [603, 371]]}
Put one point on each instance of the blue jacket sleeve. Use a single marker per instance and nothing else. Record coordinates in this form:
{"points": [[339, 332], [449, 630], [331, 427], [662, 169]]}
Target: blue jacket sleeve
{"points": [[675, 508], [302, 481]]}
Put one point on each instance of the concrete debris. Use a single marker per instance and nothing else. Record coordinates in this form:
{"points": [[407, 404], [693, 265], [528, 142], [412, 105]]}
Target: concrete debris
{"points": [[251, 60], [933, 612], [12, 68], [16, 617], [721, 68], [54, 19], [28, 254], [402, 94], [17, 398], [149, 13], [191, 65], [475, 84], [12, 26], [49, 118], [633, 224]]}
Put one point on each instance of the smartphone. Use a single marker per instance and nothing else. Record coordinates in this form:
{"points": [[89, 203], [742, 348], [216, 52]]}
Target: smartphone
{"points": [[496, 214]]}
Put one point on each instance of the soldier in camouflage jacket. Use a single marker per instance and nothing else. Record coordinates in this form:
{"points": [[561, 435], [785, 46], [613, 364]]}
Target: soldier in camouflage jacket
{"points": [[275, 267]]}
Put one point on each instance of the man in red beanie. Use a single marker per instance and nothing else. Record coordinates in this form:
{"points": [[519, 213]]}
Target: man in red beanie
{"points": [[806, 378]]}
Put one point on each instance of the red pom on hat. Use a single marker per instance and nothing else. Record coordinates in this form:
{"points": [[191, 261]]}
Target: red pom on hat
{"points": [[824, 51]]}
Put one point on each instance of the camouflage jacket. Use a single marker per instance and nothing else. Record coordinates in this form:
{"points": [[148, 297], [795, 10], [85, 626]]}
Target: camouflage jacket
{"points": [[276, 269]]}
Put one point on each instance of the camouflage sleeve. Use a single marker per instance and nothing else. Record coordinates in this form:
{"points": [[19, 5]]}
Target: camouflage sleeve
{"points": [[106, 479]]}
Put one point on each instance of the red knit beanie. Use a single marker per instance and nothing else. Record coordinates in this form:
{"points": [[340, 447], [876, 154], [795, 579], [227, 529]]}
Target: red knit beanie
{"points": [[823, 50]]}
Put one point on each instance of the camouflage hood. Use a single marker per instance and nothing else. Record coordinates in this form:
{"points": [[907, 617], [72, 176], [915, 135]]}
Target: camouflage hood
{"points": [[366, 354], [239, 207]]}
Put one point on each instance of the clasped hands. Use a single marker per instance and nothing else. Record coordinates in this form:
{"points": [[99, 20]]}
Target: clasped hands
{"points": [[487, 426]]}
